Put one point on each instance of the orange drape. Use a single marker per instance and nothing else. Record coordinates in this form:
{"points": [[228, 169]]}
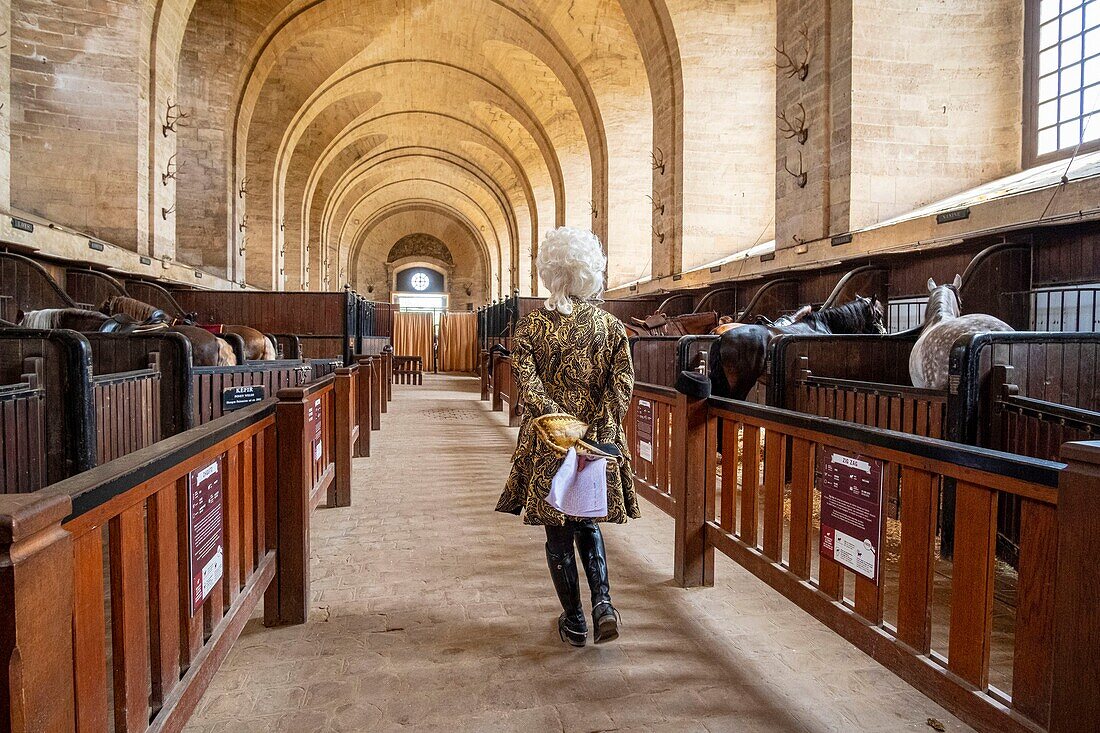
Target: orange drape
{"points": [[458, 342], [413, 335]]}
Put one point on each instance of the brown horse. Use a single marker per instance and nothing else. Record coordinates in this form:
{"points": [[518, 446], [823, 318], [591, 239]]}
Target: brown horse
{"points": [[136, 309], [739, 357], [206, 348], [257, 347], [659, 324]]}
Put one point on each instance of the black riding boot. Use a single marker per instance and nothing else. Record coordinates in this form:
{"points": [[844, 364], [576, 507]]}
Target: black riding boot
{"points": [[605, 619], [563, 569]]}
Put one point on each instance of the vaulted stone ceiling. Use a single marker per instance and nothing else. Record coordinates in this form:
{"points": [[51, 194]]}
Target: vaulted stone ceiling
{"points": [[309, 122]]}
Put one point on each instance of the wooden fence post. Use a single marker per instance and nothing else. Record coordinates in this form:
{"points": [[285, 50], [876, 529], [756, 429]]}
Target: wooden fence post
{"points": [[498, 386], [36, 585], [483, 371], [1075, 702], [387, 379], [345, 427], [694, 433], [287, 598], [365, 395]]}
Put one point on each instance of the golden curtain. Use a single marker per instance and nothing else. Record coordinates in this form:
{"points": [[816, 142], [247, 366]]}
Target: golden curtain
{"points": [[413, 335], [458, 342]]}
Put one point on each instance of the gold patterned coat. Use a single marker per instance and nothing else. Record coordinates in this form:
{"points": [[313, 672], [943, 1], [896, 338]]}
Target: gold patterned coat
{"points": [[577, 364]]}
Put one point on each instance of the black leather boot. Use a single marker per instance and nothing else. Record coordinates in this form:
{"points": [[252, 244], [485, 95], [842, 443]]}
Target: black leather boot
{"points": [[563, 570], [605, 619]]}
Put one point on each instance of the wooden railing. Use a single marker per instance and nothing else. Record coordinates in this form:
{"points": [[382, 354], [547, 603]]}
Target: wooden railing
{"points": [[760, 504], [209, 383], [649, 440], [408, 370], [127, 412], [125, 525], [23, 433], [506, 389], [911, 410], [75, 656], [328, 409]]}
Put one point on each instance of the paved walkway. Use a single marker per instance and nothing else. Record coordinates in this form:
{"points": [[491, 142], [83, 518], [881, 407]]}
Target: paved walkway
{"points": [[432, 612]]}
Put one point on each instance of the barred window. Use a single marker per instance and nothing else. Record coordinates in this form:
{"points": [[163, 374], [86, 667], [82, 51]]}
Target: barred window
{"points": [[1063, 60]]}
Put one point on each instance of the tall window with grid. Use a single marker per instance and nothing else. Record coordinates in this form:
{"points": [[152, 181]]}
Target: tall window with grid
{"points": [[1063, 69]]}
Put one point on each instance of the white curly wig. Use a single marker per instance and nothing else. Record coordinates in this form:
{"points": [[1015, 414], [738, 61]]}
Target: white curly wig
{"points": [[571, 263]]}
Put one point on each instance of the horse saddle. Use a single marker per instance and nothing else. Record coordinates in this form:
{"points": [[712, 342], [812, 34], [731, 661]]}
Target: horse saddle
{"points": [[655, 321]]}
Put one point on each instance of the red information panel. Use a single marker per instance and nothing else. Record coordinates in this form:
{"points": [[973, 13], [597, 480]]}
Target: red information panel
{"points": [[644, 429], [851, 510], [313, 417], [206, 528]]}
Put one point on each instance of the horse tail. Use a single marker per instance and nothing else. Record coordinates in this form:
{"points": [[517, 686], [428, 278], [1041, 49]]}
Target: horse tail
{"points": [[271, 353], [719, 384]]}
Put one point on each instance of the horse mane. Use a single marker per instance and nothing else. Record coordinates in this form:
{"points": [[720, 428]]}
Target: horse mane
{"points": [[48, 318], [848, 318], [41, 319]]}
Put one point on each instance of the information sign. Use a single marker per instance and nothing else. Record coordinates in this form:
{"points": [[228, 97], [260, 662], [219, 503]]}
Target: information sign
{"points": [[851, 510], [644, 429], [205, 530]]}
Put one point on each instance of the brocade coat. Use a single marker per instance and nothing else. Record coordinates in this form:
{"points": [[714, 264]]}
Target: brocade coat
{"points": [[580, 365]]}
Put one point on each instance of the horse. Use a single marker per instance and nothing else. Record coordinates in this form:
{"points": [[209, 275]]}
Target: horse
{"points": [[76, 319], [659, 324], [257, 346], [206, 348], [739, 357], [141, 311], [928, 362], [726, 323]]}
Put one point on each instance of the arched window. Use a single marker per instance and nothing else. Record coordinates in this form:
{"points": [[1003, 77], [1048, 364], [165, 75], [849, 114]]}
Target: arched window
{"points": [[1062, 82]]}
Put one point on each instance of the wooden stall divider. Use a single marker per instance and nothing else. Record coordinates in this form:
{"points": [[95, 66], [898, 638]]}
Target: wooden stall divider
{"points": [[364, 391], [36, 571], [1059, 685], [55, 564], [387, 378], [346, 417], [506, 390], [483, 373], [1074, 686]]}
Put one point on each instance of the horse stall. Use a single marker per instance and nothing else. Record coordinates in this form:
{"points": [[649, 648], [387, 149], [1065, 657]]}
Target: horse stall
{"points": [[47, 423], [325, 323], [660, 359], [1019, 392]]}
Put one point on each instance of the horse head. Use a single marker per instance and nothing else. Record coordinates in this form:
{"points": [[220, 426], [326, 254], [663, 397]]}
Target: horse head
{"points": [[875, 314], [944, 301]]}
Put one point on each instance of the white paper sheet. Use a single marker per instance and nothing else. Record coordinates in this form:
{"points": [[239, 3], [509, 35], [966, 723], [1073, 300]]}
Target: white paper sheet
{"points": [[579, 488]]}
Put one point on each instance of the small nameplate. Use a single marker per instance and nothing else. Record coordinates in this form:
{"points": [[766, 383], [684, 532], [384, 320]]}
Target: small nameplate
{"points": [[716, 268], [145, 260], [97, 246], [198, 274], [956, 215], [234, 398], [23, 226], [677, 277], [767, 257], [841, 239]]}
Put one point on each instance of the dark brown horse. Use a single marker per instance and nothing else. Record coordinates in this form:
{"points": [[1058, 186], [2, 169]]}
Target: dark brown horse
{"points": [[739, 357], [256, 345]]}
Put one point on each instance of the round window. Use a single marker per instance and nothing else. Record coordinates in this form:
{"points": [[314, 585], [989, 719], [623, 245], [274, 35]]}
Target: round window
{"points": [[420, 281]]}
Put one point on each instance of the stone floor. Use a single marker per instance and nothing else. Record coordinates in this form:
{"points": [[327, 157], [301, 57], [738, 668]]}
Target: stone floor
{"points": [[432, 612]]}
